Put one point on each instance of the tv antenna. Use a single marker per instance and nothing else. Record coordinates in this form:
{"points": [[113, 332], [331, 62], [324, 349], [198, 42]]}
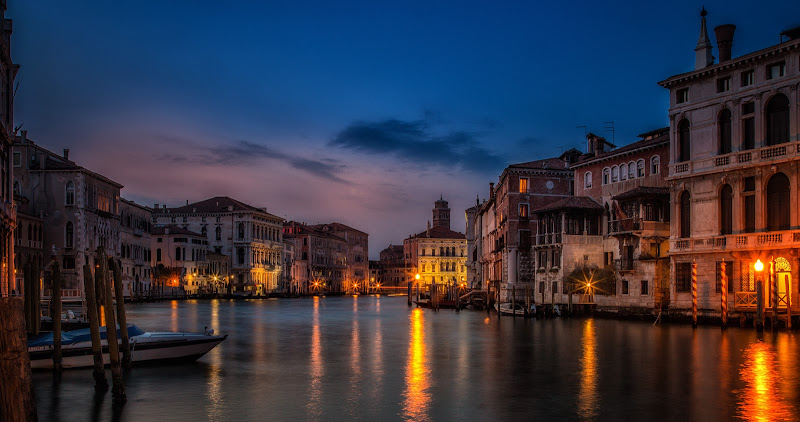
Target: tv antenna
{"points": [[610, 127]]}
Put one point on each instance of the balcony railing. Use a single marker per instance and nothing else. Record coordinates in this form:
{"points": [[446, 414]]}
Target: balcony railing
{"points": [[748, 300], [779, 239], [723, 162], [625, 225]]}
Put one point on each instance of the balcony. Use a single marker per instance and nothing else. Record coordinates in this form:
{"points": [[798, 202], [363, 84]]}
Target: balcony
{"points": [[720, 163], [568, 239], [737, 242]]}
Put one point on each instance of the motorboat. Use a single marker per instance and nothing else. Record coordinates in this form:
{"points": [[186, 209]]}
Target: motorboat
{"points": [[76, 347], [510, 309]]}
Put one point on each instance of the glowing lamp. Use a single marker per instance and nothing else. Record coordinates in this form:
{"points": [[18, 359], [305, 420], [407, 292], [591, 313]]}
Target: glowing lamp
{"points": [[759, 266], [417, 276]]}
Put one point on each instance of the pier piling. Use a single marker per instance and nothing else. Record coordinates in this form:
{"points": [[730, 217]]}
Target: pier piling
{"points": [[100, 382], [17, 401], [116, 272], [55, 314], [118, 387]]}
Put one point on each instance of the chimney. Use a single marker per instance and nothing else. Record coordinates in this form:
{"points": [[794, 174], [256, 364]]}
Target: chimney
{"points": [[187, 202], [491, 191], [428, 230], [155, 206], [724, 35], [24, 135], [702, 53], [66, 153]]}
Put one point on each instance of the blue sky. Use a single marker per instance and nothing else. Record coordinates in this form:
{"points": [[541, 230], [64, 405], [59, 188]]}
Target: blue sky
{"points": [[357, 112]]}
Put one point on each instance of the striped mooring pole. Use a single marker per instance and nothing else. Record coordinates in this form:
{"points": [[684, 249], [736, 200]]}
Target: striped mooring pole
{"points": [[724, 304], [694, 294], [773, 281]]}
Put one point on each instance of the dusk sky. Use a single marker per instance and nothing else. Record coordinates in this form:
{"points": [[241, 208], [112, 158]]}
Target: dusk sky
{"points": [[362, 113]]}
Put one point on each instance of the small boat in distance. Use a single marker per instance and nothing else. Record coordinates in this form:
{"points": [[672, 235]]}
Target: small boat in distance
{"points": [[76, 347], [510, 309]]}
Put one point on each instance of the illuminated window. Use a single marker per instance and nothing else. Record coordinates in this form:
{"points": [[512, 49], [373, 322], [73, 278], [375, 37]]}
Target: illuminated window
{"points": [[523, 210], [523, 185]]}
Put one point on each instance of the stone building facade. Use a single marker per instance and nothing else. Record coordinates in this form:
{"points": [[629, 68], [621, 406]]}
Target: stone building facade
{"points": [[733, 172], [357, 259], [134, 252], [251, 237], [437, 254], [320, 260], [179, 260], [8, 214]]}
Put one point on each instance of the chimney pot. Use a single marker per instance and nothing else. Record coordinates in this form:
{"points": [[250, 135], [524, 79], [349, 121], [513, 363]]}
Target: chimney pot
{"points": [[724, 35], [66, 153], [491, 191], [155, 206]]}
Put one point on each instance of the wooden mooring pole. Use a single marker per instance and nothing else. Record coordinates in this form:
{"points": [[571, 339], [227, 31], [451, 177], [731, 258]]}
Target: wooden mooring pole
{"points": [[116, 271], [788, 305], [760, 305], [118, 386], [17, 401], [773, 282], [694, 295], [724, 304], [100, 382], [55, 314]]}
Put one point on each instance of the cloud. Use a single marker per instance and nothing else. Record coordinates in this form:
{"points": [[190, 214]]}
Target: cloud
{"points": [[243, 152], [416, 141]]}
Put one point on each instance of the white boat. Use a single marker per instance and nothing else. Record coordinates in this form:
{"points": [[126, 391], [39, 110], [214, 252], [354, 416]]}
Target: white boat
{"points": [[510, 309], [76, 347]]}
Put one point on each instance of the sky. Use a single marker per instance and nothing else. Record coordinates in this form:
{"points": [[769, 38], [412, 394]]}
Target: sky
{"points": [[359, 112]]}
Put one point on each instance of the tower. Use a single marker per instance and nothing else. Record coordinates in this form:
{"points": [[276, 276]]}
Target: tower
{"points": [[441, 214], [702, 53]]}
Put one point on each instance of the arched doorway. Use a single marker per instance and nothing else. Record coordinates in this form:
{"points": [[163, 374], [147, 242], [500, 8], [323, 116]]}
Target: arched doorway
{"points": [[783, 271]]}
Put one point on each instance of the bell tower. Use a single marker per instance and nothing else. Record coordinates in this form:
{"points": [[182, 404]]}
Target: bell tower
{"points": [[441, 213]]}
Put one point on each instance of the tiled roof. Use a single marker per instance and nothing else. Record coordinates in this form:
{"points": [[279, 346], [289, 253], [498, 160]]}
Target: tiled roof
{"points": [[573, 202], [173, 229], [440, 232], [643, 191], [662, 136], [337, 227], [546, 164], [216, 204]]}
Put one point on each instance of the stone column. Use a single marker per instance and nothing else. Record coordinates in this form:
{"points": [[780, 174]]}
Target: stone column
{"points": [[761, 206], [738, 205]]}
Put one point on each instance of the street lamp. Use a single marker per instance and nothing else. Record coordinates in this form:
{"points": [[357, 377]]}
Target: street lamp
{"points": [[759, 266]]}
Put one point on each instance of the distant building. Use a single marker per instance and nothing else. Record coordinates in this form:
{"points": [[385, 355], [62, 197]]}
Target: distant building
{"points": [[251, 237], [357, 259], [135, 243], [8, 215], [320, 261], [437, 254], [393, 269], [733, 171], [180, 259]]}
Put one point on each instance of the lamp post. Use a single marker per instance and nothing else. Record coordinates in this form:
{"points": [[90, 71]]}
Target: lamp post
{"points": [[759, 266]]}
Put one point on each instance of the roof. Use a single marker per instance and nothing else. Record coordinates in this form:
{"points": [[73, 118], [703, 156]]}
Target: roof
{"points": [[650, 139], [301, 229], [546, 164], [173, 229], [572, 202], [210, 255], [643, 191], [215, 205], [439, 232], [336, 227]]}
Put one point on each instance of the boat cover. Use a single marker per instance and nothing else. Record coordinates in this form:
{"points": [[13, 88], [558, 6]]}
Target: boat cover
{"points": [[77, 336]]}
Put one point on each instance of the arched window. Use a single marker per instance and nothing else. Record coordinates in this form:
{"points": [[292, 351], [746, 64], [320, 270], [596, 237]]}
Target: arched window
{"points": [[777, 120], [686, 214], [640, 168], [240, 255], [218, 233], [614, 174], [69, 193], [69, 235], [204, 231], [778, 203], [683, 141], [655, 165], [726, 209], [587, 180], [631, 170], [178, 254], [724, 131], [241, 230], [623, 171], [606, 176]]}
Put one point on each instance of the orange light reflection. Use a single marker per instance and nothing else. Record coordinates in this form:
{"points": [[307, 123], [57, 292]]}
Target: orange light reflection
{"points": [[314, 403], [587, 399], [760, 400], [417, 396]]}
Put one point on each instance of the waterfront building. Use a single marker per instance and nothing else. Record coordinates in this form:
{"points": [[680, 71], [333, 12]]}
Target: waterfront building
{"points": [[28, 244], [134, 251], [501, 228], [392, 264], [251, 238], [320, 260], [8, 215], [733, 172], [437, 254], [79, 208], [357, 256], [218, 273]]}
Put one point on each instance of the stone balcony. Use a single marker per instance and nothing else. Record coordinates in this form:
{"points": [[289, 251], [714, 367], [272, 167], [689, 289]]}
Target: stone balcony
{"points": [[568, 239], [725, 162], [737, 242]]}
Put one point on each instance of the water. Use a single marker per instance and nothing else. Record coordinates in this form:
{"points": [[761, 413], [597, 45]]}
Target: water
{"points": [[373, 358]]}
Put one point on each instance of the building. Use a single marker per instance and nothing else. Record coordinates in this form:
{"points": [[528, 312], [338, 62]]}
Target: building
{"points": [[733, 172], [180, 260], [501, 228], [8, 215], [357, 259], [79, 208], [392, 267], [438, 254], [251, 237], [320, 260], [134, 251]]}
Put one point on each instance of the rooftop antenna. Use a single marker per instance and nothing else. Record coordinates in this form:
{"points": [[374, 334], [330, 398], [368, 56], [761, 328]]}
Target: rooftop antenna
{"points": [[610, 127]]}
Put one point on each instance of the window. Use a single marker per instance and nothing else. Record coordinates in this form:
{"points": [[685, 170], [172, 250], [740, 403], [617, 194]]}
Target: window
{"points": [[524, 240], [17, 190], [749, 194], [69, 193], [541, 287], [69, 235], [556, 259], [685, 213], [614, 174], [542, 259], [683, 277], [204, 231], [655, 165], [241, 231], [240, 255], [726, 209], [777, 120], [776, 70], [728, 272], [682, 95], [555, 287], [624, 287], [68, 263], [606, 176], [644, 288], [778, 203], [724, 84], [178, 254], [748, 126], [523, 210], [523, 185], [683, 140], [623, 171], [218, 236], [640, 168], [747, 78], [724, 131], [587, 180], [158, 255], [17, 159], [631, 170]]}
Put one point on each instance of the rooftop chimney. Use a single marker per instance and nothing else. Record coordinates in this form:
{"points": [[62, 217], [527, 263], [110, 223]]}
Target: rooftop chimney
{"points": [[66, 153], [702, 53], [24, 135], [491, 191], [155, 206], [724, 41]]}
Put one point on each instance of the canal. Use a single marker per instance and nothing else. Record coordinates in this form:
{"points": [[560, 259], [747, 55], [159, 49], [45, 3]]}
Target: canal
{"points": [[374, 358]]}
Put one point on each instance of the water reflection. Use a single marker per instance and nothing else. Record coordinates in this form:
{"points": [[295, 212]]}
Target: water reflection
{"points": [[173, 319], [587, 398], [417, 396], [314, 406], [760, 400], [214, 394], [355, 362]]}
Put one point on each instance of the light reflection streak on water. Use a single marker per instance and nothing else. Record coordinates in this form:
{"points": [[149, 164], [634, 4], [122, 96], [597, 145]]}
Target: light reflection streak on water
{"points": [[587, 398], [760, 400], [314, 408], [355, 363], [173, 320], [215, 401], [417, 396], [377, 359]]}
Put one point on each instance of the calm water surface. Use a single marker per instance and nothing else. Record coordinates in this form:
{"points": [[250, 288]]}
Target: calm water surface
{"points": [[373, 358]]}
